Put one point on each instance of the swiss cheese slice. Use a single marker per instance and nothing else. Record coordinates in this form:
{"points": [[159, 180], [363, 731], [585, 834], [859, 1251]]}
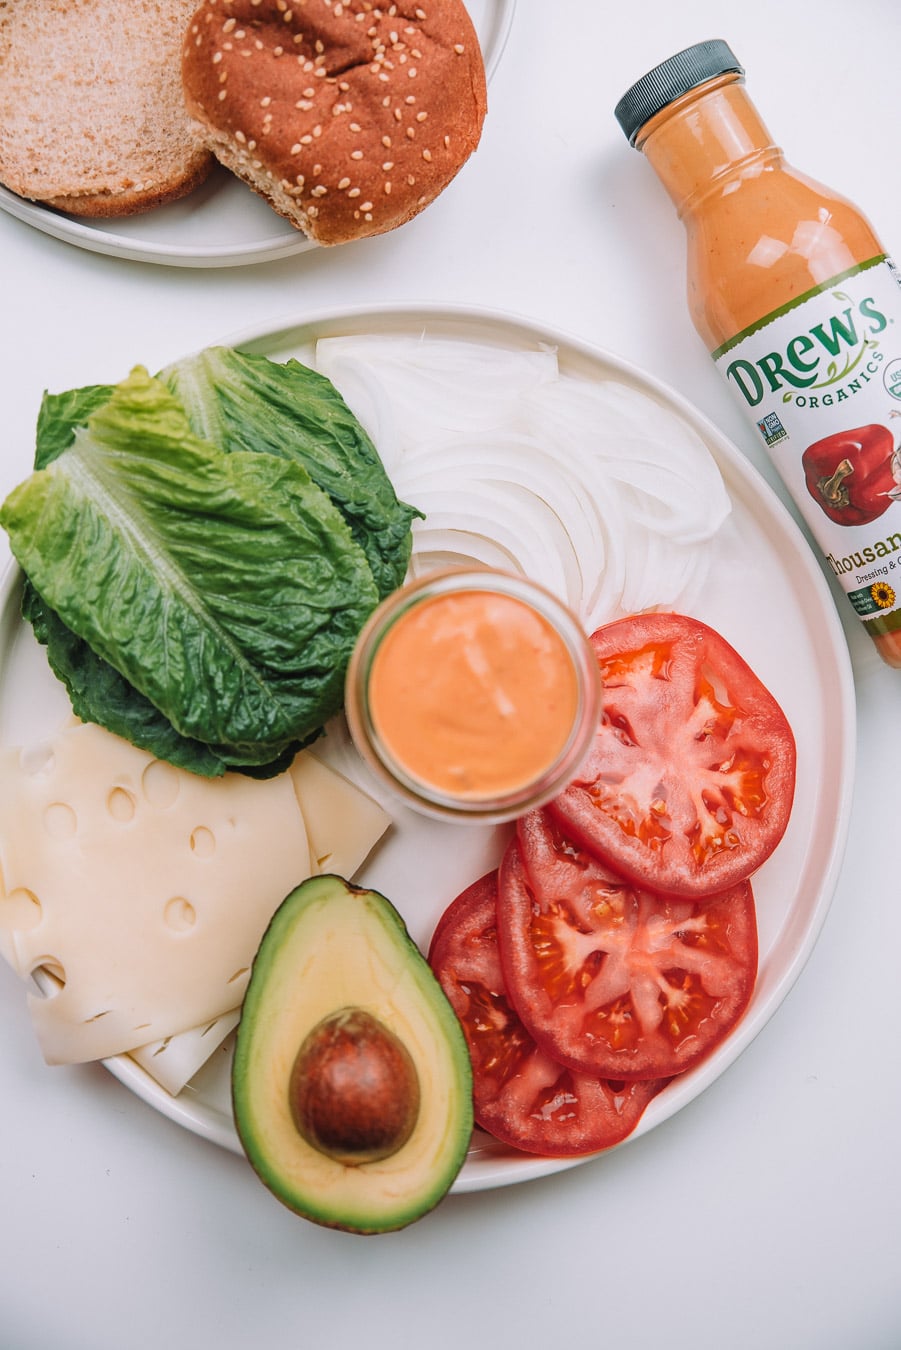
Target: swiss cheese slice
{"points": [[343, 823], [144, 889], [343, 826]]}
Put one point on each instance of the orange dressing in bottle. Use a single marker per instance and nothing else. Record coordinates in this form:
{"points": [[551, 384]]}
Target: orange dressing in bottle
{"points": [[792, 293]]}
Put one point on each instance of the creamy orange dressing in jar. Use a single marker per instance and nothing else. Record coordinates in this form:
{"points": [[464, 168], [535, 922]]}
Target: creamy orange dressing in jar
{"points": [[474, 694], [792, 293]]}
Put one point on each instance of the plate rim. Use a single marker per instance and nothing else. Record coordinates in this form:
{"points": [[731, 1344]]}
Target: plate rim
{"points": [[501, 1168], [78, 232]]}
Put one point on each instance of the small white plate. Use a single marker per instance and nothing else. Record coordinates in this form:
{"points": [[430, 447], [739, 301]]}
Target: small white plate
{"points": [[765, 594], [222, 223]]}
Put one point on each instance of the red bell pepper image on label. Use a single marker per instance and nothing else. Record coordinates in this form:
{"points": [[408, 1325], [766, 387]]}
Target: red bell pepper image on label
{"points": [[853, 475]]}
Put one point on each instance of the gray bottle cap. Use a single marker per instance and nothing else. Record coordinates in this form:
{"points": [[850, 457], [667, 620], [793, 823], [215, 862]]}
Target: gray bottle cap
{"points": [[670, 80]]}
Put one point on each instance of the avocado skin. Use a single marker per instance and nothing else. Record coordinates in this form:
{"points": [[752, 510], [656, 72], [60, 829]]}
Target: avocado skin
{"points": [[330, 945]]}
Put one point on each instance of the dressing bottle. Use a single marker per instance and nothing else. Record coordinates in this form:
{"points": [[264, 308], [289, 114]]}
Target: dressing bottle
{"points": [[799, 306]]}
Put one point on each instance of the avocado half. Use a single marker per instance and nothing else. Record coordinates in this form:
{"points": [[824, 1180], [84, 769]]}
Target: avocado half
{"points": [[332, 947]]}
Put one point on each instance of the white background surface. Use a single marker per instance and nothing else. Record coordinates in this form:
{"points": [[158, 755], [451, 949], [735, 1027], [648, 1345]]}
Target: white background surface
{"points": [[766, 1213]]}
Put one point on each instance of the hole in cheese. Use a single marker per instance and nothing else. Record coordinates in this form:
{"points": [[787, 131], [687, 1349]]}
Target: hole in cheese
{"points": [[161, 785], [48, 976], [179, 914], [20, 910], [121, 804], [203, 842], [60, 821]]}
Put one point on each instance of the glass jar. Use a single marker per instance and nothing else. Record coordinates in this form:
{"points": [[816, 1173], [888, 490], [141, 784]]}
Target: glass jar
{"points": [[473, 694]]}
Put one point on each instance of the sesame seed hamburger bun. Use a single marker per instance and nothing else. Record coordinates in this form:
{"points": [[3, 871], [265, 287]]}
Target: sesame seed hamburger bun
{"points": [[92, 115], [349, 118]]}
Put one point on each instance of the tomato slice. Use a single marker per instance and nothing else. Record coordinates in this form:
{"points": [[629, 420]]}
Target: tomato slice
{"points": [[690, 782], [610, 978], [520, 1094]]}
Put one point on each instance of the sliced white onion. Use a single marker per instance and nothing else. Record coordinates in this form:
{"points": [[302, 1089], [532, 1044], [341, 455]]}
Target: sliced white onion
{"points": [[591, 487]]}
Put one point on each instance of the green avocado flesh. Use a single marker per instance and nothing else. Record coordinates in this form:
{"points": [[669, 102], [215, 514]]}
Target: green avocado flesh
{"points": [[331, 947]]}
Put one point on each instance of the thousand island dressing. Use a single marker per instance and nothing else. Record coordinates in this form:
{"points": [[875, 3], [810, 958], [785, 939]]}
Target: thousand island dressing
{"points": [[800, 307]]}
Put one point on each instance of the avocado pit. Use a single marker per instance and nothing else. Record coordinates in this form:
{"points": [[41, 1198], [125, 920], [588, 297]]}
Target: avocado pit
{"points": [[354, 1091]]}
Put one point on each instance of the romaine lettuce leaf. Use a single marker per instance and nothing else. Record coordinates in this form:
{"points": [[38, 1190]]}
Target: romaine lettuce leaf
{"points": [[241, 401], [225, 588]]}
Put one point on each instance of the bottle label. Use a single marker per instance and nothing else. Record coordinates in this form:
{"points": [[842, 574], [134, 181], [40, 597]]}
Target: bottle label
{"points": [[820, 380]]}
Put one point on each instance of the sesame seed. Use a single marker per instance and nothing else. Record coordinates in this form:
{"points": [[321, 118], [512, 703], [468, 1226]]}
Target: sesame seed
{"points": [[427, 155], [421, 116], [240, 137], [412, 73], [265, 102], [366, 206], [356, 154], [354, 192], [355, 126], [295, 148], [221, 95], [319, 190], [459, 48], [387, 187], [313, 212], [388, 165], [217, 57], [343, 183]]}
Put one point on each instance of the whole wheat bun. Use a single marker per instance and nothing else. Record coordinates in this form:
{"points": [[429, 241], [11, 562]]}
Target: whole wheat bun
{"points": [[348, 118], [92, 116]]}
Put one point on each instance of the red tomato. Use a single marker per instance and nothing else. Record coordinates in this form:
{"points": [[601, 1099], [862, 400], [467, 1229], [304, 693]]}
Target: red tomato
{"points": [[521, 1095], [612, 979], [689, 785]]}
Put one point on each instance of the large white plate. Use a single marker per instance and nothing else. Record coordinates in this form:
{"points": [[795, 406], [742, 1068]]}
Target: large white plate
{"points": [[765, 594], [223, 223]]}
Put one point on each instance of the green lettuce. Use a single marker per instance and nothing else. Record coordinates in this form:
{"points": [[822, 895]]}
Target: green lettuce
{"points": [[225, 588], [240, 401]]}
